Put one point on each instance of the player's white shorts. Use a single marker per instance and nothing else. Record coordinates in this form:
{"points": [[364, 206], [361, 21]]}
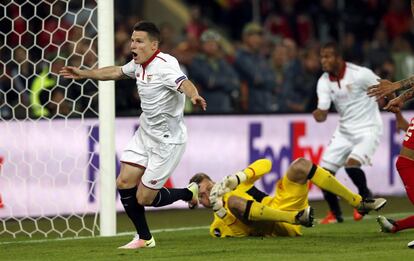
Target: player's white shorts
{"points": [[159, 159], [360, 146]]}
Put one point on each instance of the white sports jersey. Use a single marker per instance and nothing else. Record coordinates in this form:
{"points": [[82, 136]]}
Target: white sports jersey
{"points": [[356, 109], [162, 104]]}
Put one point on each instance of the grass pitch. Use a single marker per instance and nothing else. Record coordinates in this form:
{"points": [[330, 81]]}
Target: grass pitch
{"points": [[187, 239]]}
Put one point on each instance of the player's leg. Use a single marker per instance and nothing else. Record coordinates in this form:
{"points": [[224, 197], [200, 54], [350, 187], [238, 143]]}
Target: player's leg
{"points": [[134, 160], [358, 177], [126, 184], [162, 164], [323, 179], [388, 225], [333, 158], [361, 154], [250, 210], [335, 213], [405, 168]]}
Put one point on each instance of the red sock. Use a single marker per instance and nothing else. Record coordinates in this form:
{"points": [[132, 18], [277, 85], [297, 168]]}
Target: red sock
{"points": [[404, 223], [405, 168]]}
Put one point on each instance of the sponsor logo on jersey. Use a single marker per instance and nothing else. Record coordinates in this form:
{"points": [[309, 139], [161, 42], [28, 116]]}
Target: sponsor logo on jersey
{"points": [[217, 232], [153, 182]]}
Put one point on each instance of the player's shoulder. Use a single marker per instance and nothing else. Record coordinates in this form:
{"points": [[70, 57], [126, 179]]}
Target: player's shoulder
{"points": [[324, 79], [358, 69], [166, 58]]}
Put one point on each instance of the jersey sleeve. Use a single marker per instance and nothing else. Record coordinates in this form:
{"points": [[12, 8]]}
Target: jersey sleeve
{"points": [[368, 78], [172, 74], [129, 69], [256, 170], [324, 99]]}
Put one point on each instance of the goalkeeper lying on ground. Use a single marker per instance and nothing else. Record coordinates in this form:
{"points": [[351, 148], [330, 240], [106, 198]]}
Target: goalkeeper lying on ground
{"points": [[240, 209]]}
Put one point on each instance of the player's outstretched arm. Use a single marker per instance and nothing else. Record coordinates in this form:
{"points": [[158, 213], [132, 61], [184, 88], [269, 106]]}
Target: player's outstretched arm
{"points": [[101, 74], [188, 88], [402, 123], [385, 87], [397, 103]]}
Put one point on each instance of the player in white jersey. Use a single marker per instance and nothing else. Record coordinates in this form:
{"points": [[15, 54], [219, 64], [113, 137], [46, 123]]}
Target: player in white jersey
{"points": [[360, 126], [157, 146]]}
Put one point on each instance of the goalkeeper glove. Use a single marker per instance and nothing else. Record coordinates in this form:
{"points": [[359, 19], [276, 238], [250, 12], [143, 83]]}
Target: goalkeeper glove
{"points": [[232, 181], [216, 203]]}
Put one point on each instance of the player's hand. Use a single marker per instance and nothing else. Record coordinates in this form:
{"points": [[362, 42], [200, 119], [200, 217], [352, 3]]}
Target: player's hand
{"points": [[218, 190], [198, 100], [382, 89], [216, 201], [71, 72], [217, 205], [320, 115], [394, 105], [232, 181]]}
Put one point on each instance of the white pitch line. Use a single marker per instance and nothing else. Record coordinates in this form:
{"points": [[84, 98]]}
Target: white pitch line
{"points": [[155, 231], [393, 215]]}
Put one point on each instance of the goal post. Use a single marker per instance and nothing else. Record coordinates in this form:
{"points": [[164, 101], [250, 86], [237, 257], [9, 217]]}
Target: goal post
{"points": [[106, 119], [57, 147]]}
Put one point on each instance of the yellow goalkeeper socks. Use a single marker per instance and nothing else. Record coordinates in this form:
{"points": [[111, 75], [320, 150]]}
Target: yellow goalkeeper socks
{"points": [[257, 211], [325, 180], [258, 168]]}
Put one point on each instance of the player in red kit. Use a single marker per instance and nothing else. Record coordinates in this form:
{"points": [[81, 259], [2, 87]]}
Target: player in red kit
{"points": [[405, 161]]}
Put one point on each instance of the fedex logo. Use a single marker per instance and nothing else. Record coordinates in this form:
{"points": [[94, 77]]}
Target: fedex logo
{"points": [[285, 154]]}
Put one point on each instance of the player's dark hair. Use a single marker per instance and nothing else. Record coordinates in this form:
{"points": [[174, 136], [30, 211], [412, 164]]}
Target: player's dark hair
{"points": [[334, 46], [199, 177], [152, 30]]}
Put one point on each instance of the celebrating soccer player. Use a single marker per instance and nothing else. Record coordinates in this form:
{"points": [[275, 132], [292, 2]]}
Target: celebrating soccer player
{"points": [[157, 146]]}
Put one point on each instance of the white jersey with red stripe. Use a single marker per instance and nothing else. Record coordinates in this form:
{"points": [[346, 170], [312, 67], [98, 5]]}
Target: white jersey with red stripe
{"points": [[162, 104], [356, 109]]}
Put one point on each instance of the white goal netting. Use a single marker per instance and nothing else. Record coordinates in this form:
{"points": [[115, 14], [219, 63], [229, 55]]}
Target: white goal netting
{"points": [[48, 125]]}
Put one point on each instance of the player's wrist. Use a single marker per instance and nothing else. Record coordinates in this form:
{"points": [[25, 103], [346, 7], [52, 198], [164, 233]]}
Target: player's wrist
{"points": [[221, 213]]}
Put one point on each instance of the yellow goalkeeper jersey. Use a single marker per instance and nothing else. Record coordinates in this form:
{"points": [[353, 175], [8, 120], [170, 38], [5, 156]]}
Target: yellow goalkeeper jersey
{"points": [[289, 196]]}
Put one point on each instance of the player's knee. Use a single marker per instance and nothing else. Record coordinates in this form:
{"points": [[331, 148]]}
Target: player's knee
{"points": [[144, 200], [352, 163], [299, 169], [122, 183], [236, 205]]}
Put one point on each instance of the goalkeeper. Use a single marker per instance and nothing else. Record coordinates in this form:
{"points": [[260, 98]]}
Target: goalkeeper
{"points": [[240, 209]]}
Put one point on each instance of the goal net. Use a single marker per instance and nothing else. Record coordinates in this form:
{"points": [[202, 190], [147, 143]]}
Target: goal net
{"points": [[49, 136]]}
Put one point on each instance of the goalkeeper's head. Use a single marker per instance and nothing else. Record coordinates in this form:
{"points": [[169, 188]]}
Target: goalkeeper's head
{"points": [[205, 184]]}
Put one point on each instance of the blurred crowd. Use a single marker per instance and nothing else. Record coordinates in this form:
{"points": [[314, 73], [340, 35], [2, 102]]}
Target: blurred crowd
{"points": [[244, 56]]}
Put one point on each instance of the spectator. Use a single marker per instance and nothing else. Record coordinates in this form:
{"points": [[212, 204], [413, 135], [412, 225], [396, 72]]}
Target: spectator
{"points": [[403, 56], [168, 38], [215, 77], [378, 49], [302, 84], [255, 71], [325, 18], [289, 23], [397, 19]]}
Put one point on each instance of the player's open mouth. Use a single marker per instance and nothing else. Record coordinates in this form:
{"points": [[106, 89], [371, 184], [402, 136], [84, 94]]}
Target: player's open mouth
{"points": [[134, 54]]}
